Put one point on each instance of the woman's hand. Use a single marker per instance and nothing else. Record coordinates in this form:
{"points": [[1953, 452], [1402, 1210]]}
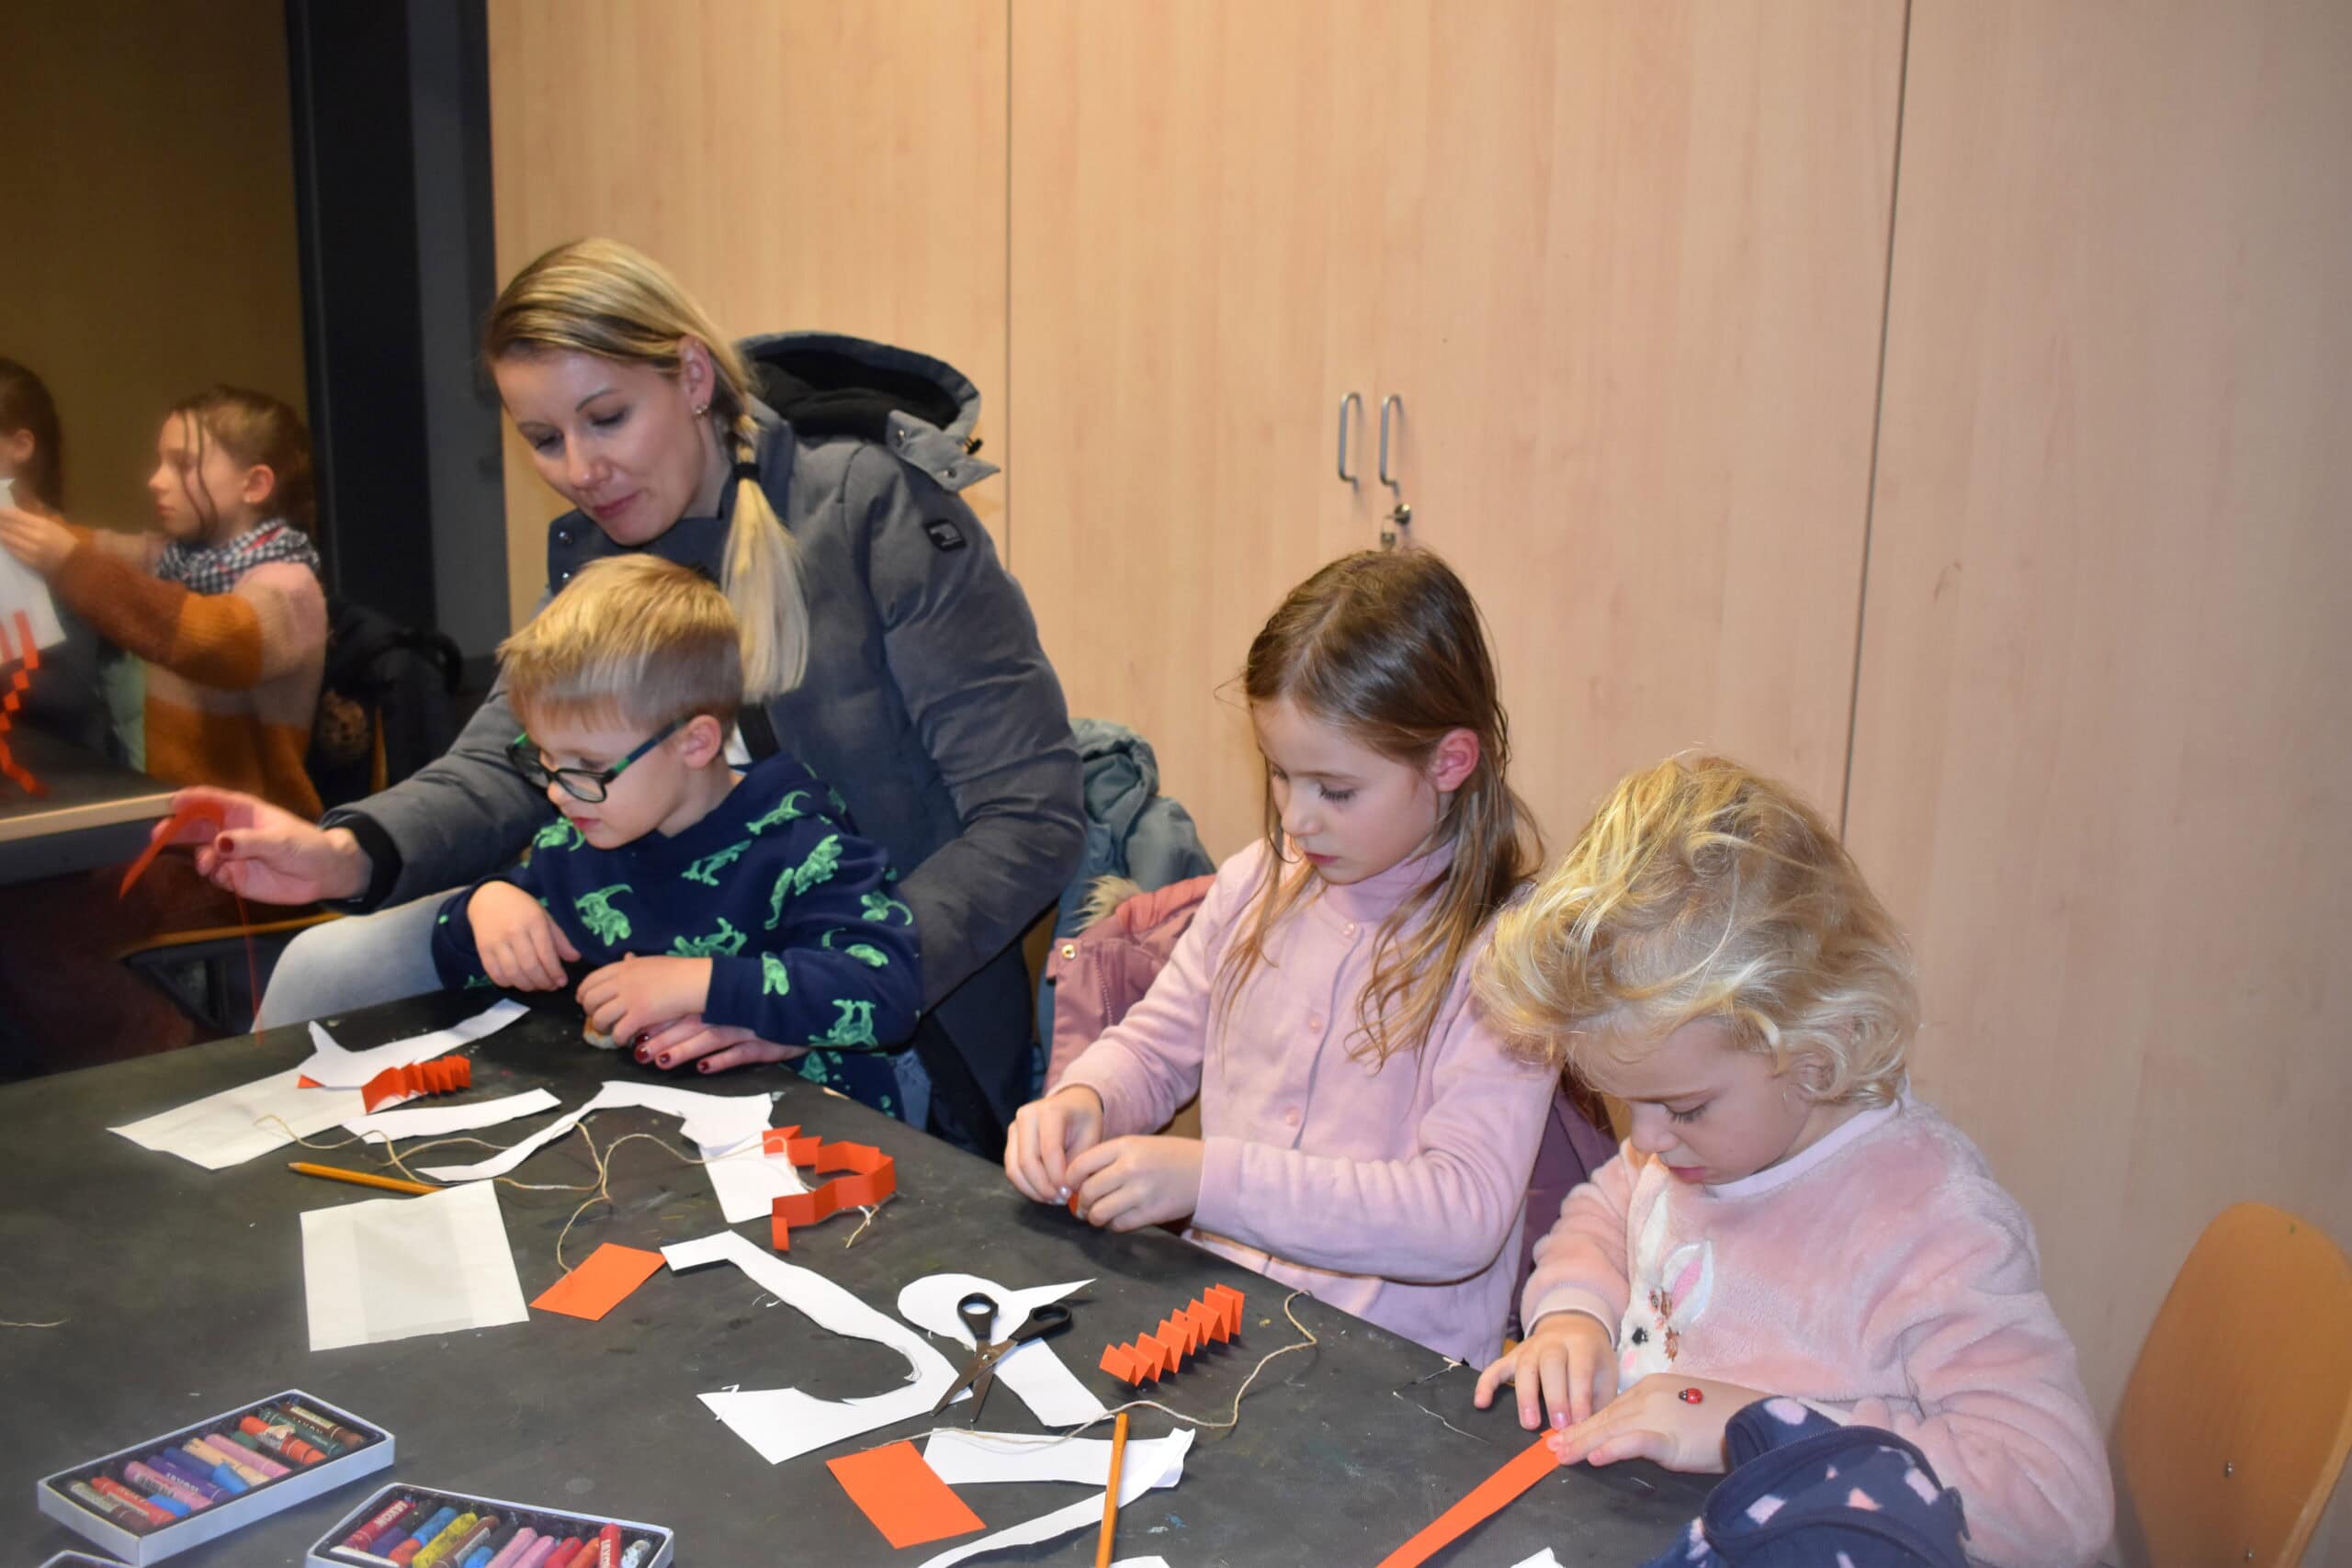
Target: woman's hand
{"points": [[41, 543], [1656, 1419], [260, 851], [520, 946], [638, 995], [1567, 1358], [710, 1047], [1045, 1134], [1128, 1183]]}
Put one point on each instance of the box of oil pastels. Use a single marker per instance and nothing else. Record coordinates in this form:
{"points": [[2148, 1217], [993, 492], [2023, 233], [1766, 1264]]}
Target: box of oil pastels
{"points": [[168, 1493], [406, 1524]]}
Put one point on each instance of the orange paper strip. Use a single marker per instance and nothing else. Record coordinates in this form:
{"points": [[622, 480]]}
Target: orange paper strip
{"points": [[444, 1074], [1485, 1500], [1213, 1316], [902, 1497], [874, 1178], [157, 845], [601, 1283], [19, 684]]}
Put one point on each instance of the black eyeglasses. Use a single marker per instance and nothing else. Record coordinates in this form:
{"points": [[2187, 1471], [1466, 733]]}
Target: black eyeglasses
{"points": [[580, 784]]}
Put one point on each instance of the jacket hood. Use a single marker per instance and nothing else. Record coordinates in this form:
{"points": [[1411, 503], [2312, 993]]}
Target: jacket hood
{"points": [[824, 384]]}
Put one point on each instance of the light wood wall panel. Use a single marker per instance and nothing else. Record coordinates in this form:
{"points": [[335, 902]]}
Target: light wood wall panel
{"points": [[2103, 759], [835, 168]]}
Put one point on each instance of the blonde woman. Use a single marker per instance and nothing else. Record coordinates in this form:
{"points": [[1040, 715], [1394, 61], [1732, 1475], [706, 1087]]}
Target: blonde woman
{"points": [[882, 642]]}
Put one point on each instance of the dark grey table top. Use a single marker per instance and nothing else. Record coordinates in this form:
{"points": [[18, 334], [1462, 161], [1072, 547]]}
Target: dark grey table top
{"points": [[181, 1292], [94, 813]]}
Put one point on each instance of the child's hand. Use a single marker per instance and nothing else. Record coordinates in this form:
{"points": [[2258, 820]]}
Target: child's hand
{"points": [[638, 995], [1568, 1359], [1652, 1420], [521, 946], [1045, 1134], [39, 543], [711, 1047], [1128, 1183]]}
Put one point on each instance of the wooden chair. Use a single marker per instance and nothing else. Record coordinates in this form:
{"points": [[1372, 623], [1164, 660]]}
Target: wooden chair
{"points": [[2234, 1426]]}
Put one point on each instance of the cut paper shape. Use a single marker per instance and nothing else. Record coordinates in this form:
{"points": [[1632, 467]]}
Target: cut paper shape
{"points": [[901, 1498], [750, 1179], [165, 836], [445, 1076], [1165, 1467], [1042, 1380], [1543, 1559], [780, 1423], [397, 1268], [601, 1283], [1213, 1315], [329, 1066], [439, 1121], [26, 602], [980, 1458], [716, 1123], [1483, 1501], [232, 1126], [29, 650], [872, 1177]]}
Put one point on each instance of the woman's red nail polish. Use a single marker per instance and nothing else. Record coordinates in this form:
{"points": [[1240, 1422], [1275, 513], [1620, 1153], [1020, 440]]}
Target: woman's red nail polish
{"points": [[663, 1060]]}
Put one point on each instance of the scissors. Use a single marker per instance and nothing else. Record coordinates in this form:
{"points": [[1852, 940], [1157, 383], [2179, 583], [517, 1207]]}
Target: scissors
{"points": [[979, 1311]]}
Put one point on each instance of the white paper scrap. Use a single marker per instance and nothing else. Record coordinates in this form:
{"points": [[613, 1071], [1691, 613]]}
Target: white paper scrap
{"points": [[396, 1268], [977, 1459], [232, 1126], [439, 1121], [1034, 1372], [716, 1122], [782, 1422], [748, 1181], [1543, 1559], [22, 588], [333, 1067], [1165, 1467]]}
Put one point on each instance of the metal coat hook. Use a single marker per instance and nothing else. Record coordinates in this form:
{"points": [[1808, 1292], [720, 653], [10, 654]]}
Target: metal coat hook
{"points": [[1355, 400], [1400, 517]]}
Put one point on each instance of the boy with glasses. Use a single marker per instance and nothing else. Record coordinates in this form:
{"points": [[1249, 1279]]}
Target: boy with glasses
{"points": [[694, 891]]}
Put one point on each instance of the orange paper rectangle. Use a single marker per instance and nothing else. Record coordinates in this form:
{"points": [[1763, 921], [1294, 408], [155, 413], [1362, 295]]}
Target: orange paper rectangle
{"points": [[902, 1497], [601, 1283], [1488, 1497]]}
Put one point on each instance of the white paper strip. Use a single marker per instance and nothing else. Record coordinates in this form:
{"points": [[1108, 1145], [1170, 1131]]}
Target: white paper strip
{"points": [[439, 1121], [22, 588], [333, 1067], [396, 1268], [716, 1122], [1135, 1479], [749, 1180], [232, 1126], [977, 1459], [782, 1422], [1034, 1372]]}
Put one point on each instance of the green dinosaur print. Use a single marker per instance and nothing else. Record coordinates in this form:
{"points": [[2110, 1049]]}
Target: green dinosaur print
{"points": [[604, 923], [879, 909], [560, 834], [724, 942], [706, 869], [822, 862], [872, 957], [775, 980], [785, 811], [854, 1026]]}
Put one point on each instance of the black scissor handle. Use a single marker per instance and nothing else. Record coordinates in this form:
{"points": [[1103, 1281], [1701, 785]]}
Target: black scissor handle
{"points": [[978, 1313], [1043, 1322]]}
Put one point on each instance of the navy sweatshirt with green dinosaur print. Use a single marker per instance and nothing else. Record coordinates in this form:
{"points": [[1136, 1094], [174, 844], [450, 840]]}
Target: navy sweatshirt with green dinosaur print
{"points": [[808, 945]]}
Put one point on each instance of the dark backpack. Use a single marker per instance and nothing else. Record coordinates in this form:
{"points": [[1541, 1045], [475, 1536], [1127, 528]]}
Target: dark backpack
{"points": [[388, 704]]}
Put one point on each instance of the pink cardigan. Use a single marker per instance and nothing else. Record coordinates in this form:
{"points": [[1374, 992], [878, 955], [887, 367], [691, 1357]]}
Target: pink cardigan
{"points": [[1396, 1194], [1881, 1277]]}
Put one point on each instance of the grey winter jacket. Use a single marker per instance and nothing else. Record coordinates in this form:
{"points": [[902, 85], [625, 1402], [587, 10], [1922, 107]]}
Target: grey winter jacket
{"points": [[928, 702]]}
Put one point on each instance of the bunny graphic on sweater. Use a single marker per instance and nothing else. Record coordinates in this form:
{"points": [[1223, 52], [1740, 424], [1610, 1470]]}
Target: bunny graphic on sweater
{"points": [[1666, 1299]]}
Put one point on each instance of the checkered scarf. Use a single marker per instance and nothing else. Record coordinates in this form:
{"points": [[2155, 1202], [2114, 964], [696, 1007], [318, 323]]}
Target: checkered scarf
{"points": [[214, 568]]}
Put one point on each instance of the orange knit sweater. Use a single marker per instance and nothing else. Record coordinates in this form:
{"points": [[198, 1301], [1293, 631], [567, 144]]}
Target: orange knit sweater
{"points": [[232, 679]]}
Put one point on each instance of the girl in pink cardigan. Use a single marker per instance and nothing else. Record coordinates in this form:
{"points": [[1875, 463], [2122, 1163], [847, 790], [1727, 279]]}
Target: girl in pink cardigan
{"points": [[1364, 1135], [1784, 1219]]}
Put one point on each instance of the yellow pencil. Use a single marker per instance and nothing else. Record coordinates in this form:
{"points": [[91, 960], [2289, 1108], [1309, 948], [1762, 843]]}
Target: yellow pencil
{"points": [[1111, 1498], [360, 1178]]}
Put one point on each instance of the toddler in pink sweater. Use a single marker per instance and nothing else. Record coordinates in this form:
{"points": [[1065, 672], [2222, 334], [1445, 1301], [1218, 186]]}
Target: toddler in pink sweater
{"points": [[1364, 1135], [1785, 1218]]}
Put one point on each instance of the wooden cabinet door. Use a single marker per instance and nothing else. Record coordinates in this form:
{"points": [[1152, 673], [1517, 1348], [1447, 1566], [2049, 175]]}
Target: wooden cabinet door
{"points": [[1637, 345], [1195, 227], [821, 166]]}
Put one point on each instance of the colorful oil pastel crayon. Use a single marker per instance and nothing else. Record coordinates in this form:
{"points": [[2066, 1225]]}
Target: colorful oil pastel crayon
{"points": [[638, 1554], [485, 1528], [394, 1515], [587, 1556], [147, 1510], [112, 1508], [219, 1478], [608, 1547], [333, 1431], [279, 1416], [540, 1555], [414, 1541], [157, 1495], [228, 1454], [248, 1448], [566, 1550], [438, 1547], [487, 1549], [281, 1440], [148, 1479]]}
